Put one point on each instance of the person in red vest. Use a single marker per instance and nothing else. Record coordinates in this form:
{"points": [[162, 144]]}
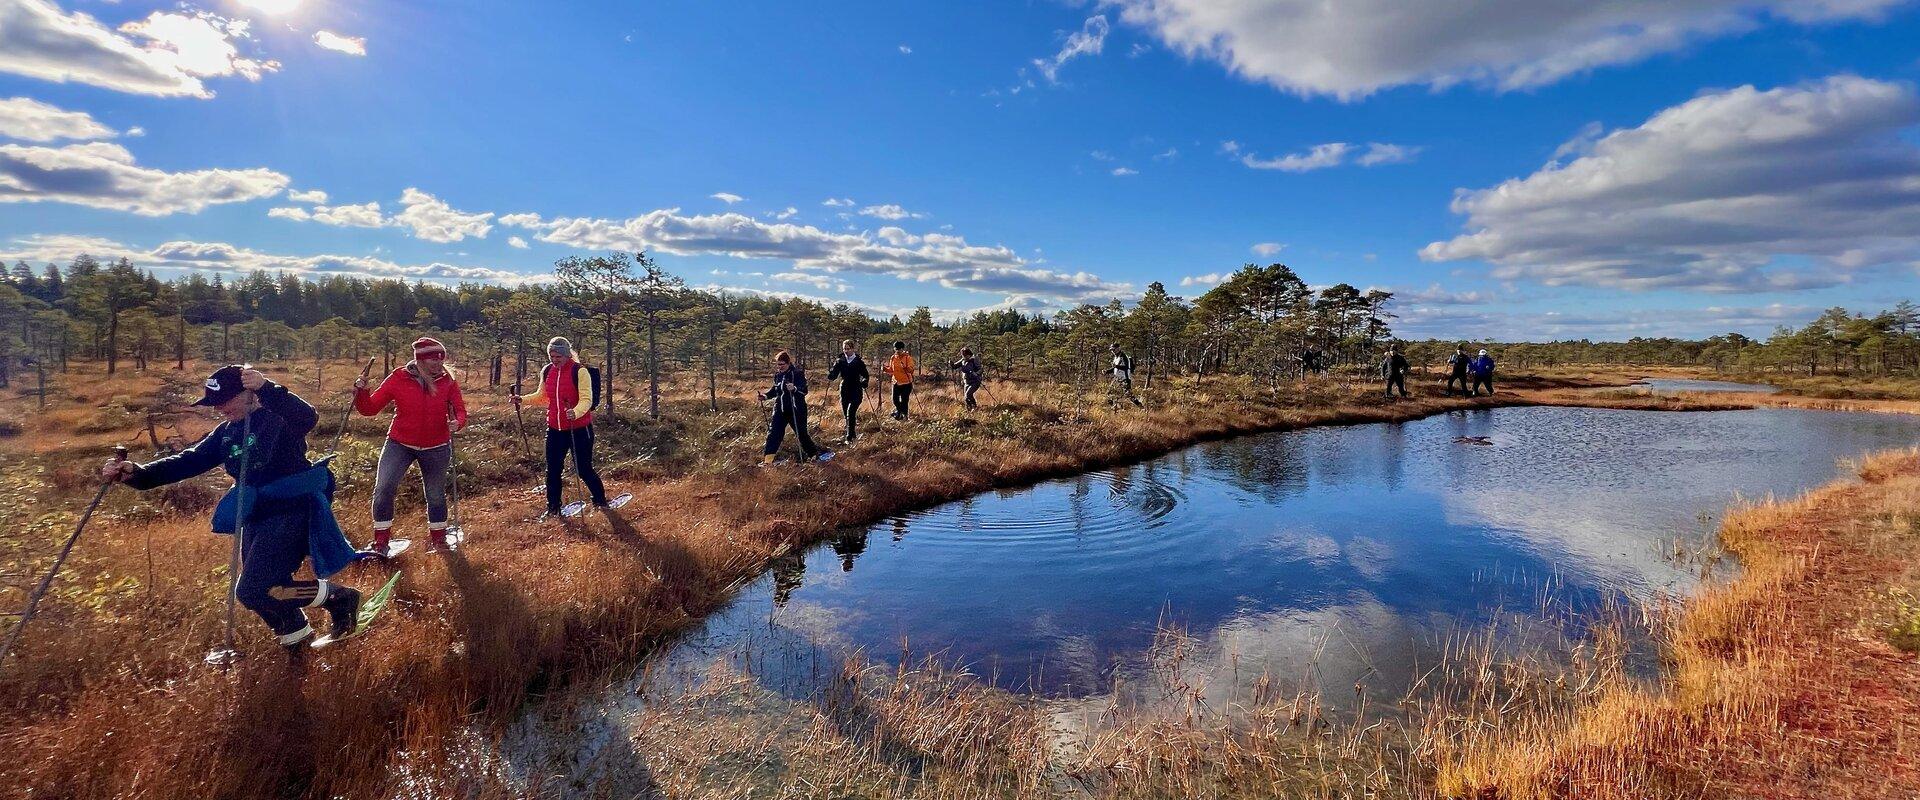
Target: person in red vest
{"points": [[566, 389], [427, 412]]}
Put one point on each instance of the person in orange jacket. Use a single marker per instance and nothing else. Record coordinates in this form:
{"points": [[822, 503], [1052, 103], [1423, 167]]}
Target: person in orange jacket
{"points": [[566, 389], [427, 411], [900, 369]]}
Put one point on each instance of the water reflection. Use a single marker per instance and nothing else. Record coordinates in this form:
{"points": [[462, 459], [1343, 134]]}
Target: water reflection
{"points": [[1354, 549]]}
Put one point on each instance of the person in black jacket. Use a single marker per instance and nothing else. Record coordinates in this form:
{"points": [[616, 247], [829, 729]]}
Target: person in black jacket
{"points": [[281, 503], [1457, 369], [789, 396], [972, 374], [1394, 369], [853, 376]]}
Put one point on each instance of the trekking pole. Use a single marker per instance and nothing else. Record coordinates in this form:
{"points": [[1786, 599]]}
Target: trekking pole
{"points": [[519, 412], [453, 474], [227, 653], [40, 590], [347, 413]]}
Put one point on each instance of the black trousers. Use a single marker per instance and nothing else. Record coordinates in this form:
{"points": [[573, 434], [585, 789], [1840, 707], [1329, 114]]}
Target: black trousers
{"points": [[1483, 380], [902, 392], [271, 549], [1461, 377], [850, 406], [578, 442], [971, 388], [1397, 379], [777, 430]]}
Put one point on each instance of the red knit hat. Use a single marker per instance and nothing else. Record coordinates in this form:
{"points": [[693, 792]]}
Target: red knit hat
{"points": [[428, 346]]}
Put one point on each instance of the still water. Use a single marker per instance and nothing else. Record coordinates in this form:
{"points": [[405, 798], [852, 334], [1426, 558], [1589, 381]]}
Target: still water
{"points": [[1311, 560], [1671, 385], [1333, 554]]}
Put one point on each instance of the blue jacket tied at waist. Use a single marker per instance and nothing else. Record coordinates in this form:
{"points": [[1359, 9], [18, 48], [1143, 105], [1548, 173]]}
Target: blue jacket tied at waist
{"points": [[326, 544]]}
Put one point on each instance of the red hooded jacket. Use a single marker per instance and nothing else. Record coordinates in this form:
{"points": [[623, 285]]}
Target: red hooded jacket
{"points": [[419, 419]]}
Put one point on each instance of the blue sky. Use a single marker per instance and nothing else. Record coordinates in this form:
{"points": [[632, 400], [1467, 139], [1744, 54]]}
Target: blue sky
{"points": [[1513, 169]]}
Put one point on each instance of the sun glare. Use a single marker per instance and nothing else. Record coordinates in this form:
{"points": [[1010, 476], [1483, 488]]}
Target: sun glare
{"points": [[271, 6]]}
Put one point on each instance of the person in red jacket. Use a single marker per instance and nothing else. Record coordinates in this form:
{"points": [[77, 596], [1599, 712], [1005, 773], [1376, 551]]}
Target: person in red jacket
{"points": [[427, 411], [566, 390]]}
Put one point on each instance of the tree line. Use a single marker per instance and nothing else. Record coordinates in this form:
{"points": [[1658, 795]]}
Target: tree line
{"points": [[644, 324]]}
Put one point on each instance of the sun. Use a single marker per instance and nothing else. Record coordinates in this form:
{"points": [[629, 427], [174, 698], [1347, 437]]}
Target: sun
{"points": [[271, 6]]}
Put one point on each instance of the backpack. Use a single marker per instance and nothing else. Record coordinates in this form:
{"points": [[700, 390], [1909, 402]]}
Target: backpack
{"points": [[593, 377]]}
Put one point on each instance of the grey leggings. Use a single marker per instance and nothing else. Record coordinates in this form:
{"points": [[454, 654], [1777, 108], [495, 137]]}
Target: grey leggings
{"points": [[394, 459]]}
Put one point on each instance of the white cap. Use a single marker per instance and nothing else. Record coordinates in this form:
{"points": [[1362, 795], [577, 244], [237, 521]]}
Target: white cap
{"points": [[1483, 352]]}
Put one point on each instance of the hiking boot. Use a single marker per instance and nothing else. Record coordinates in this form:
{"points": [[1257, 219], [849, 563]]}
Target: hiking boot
{"points": [[382, 544], [436, 541], [766, 460], [549, 515], [343, 610]]}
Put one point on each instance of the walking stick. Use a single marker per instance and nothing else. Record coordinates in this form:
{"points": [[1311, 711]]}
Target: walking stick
{"points": [[454, 531], [519, 413], [40, 590], [225, 655], [347, 413]]}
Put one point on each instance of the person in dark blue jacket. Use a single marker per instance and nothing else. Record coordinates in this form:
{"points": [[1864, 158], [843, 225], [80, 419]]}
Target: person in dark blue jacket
{"points": [[789, 396], [853, 376], [285, 501], [1483, 373]]}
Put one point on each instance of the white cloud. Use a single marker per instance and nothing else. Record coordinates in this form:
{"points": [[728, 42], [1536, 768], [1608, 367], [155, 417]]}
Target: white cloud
{"points": [[1089, 40], [1435, 295], [1713, 193], [905, 50], [1209, 279], [34, 121], [515, 241], [1122, 172], [167, 54], [838, 202], [223, 257], [817, 281], [104, 175], [1323, 156], [1439, 322], [351, 45], [430, 218], [1378, 154], [941, 258], [1353, 48], [1268, 249], [363, 215], [788, 213], [889, 211], [310, 196], [1169, 153], [726, 197], [200, 44]]}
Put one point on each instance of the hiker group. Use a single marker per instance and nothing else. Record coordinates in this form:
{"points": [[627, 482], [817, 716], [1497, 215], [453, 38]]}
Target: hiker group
{"points": [[280, 507], [1465, 374]]}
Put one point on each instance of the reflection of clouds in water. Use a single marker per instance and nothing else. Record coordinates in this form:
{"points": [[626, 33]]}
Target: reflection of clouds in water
{"points": [[1074, 659], [1297, 544], [1371, 558], [823, 625], [1581, 533], [1325, 650]]}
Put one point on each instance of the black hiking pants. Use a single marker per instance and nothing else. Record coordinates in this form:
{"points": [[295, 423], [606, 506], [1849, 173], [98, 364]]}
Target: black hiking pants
{"points": [[578, 442], [1397, 379], [850, 407], [902, 392]]}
